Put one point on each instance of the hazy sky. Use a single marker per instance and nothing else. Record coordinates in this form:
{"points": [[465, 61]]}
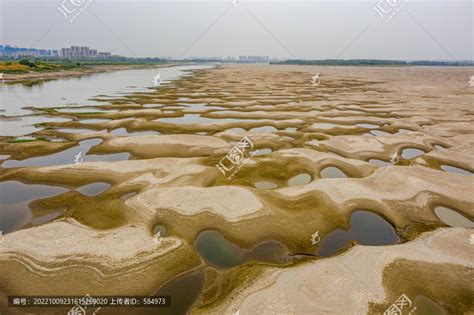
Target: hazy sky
{"points": [[441, 30]]}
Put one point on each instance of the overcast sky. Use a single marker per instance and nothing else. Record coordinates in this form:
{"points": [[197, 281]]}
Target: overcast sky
{"points": [[431, 30]]}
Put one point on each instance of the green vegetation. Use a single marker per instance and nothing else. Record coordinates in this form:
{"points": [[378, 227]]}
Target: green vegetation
{"points": [[26, 65]]}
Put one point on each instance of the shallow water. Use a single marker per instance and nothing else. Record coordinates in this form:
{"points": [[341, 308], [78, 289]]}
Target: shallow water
{"points": [[426, 306], [95, 120], [453, 218], [124, 132], [410, 153], [184, 291], [300, 179], [71, 91], [64, 157], [217, 251], [261, 152], [263, 129], [368, 126], [198, 119], [93, 189], [366, 228], [265, 185], [454, 169], [15, 197], [332, 172], [380, 133], [47, 218], [78, 130], [379, 163]]}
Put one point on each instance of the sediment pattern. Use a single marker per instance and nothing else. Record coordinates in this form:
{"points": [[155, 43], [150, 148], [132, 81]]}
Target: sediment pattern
{"points": [[390, 132]]}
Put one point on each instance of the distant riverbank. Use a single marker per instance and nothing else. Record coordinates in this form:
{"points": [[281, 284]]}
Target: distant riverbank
{"points": [[89, 69]]}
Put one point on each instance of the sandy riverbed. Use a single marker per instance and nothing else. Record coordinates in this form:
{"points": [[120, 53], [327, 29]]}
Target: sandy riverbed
{"points": [[172, 181]]}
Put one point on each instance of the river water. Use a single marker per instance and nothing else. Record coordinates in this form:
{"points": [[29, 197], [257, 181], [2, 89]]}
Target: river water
{"points": [[15, 99]]}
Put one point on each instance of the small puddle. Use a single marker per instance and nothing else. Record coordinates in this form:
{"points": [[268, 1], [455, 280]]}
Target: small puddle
{"points": [[150, 105], [453, 218], [327, 126], [184, 291], [217, 251], [236, 130], [410, 153], [291, 129], [124, 132], [300, 179], [380, 133], [85, 110], [78, 130], [47, 218], [368, 126], [426, 306], [265, 185], [332, 172], [95, 120], [261, 152], [198, 119], [454, 169], [379, 163], [263, 129], [60, 158], [15, 197], [128, 195], [93, 189], [366, 228], [114, 157]]}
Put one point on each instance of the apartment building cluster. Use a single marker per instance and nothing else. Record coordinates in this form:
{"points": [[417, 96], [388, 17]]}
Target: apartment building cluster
{"points": [[18, 52], [83, 52], [74, 52]]}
